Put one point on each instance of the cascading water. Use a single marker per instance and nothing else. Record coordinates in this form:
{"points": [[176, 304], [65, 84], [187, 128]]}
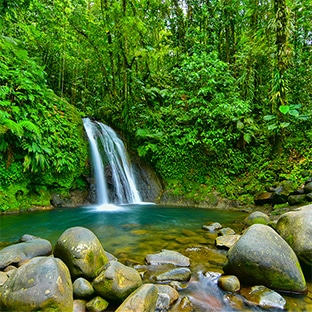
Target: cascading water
{"points": [[112, 171]]}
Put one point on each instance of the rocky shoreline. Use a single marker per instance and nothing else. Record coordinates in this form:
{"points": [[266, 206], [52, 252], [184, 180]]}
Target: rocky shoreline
{"points": [[78, 274]]}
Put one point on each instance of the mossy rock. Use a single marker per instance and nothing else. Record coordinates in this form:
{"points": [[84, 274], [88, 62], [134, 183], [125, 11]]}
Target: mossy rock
{"points": [[262, 257]]}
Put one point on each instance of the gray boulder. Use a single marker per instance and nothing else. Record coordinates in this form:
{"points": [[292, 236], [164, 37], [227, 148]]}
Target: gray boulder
{"points": [[42, 284], [262, 257], [29, 247], [81, 251], [143, 299], [296, 228], [117, 281]]}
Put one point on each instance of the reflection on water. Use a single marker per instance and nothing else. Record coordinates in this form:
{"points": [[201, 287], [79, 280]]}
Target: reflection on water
{"points": [[130, 232]]}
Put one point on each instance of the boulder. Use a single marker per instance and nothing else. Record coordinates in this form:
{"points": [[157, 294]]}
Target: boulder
{"points": [[296, 228], [81, 251], [262, 257], [117, 281], [29, 247], [143, 299], [42, 284], [168, 257], [257, 217]]}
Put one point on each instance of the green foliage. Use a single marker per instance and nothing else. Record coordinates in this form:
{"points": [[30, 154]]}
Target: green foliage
{"points": [[41, 136]]}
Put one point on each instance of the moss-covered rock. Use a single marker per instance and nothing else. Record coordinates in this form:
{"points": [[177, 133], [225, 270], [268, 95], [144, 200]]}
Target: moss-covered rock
{"points": [[82, 252], [262, 257], [296, 228], [42, 284], [117, 281]]}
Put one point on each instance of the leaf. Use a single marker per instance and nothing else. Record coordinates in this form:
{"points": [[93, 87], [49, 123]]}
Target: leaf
{"points": [[284, 109], [240, 125], [284, 124], [269, 117], [294, 113]]}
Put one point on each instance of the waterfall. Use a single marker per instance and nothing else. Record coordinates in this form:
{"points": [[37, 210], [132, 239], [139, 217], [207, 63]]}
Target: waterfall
{"points": [[114, 180]]}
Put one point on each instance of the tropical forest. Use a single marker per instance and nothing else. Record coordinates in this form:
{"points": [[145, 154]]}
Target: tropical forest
{"points": [[213, 95]]}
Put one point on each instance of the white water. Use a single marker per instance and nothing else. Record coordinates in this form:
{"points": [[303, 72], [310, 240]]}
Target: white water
{"points": [[115, 183]]}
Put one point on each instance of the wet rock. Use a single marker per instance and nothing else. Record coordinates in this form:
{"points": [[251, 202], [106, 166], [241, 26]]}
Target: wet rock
{"points": [[81, 251], [234, 302], [229, 283], [42, 284], [29, 247], [97, 304], [82, 288], [116, 281], [257, 217], [227, 241], [143, 299], [261, 256], [79, 305], [296, 228], [263, 198], [264, 297], [167, 295], [308, 187], [295, 200], [168, 257], [212, 227], [226, 231], [282, 191], [177, 274]]}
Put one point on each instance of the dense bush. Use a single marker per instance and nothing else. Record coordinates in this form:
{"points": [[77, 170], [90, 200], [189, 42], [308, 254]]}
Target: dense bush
{"points": [[41, 135]]}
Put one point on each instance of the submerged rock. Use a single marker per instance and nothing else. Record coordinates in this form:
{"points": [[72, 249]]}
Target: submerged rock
{"points": [[81, 251], [296, 228], [261, 256], [168, 257], [42, 284]]}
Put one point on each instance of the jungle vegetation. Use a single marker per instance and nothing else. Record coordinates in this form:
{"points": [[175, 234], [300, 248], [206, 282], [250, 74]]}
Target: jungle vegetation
{"points": [[213, 94]]}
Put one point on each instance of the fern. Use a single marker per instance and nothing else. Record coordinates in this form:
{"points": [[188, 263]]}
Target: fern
{"points": [[30, 126]]}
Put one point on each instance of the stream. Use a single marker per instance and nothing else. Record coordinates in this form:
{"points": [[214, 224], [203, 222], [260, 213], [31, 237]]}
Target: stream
{"points": [[130, 232]]}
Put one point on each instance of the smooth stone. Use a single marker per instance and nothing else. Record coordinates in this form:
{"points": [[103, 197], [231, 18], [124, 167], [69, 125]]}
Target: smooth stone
{"points": [[296, 228], [229, 283], [97, 304], [81, 251], [40, 285], [177, 274], [262, 257], [82, 288], [143, 299], [227, 241]]}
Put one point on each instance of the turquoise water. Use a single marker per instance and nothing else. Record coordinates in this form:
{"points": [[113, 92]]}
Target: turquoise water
{"points": [[130, 232]]}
